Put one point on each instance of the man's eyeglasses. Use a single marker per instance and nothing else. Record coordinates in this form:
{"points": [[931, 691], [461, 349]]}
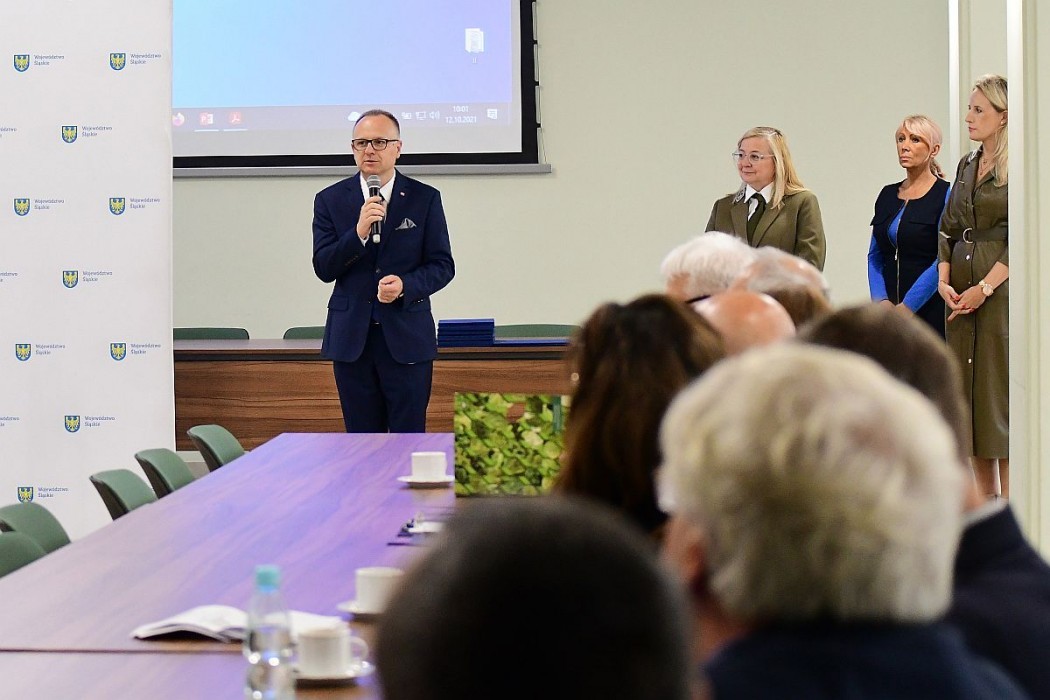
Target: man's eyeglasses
{"points": [[753, 158], [377, 144]]}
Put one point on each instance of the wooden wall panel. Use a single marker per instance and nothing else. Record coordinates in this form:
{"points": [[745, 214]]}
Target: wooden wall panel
{"points": [[259, 391]]}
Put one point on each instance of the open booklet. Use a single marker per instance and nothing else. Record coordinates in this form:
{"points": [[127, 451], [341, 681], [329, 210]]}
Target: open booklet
{"points": [[225, 623]]}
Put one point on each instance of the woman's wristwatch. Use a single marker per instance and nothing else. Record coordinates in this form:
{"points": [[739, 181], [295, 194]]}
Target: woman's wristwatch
{"points": [[986, 288]]}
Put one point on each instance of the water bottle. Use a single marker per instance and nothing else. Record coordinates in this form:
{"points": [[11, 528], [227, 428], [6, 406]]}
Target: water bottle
{"points": [[268, 641]]}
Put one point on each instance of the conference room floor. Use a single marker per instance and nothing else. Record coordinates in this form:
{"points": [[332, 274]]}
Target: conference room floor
{"points": [[317, 505]]}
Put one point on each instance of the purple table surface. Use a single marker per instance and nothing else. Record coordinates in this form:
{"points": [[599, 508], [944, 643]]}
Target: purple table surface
{"points": [[112, 676], [318, 505]]}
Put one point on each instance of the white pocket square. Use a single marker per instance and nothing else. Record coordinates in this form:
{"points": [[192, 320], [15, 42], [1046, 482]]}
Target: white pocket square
{"points": [[406, 224]]}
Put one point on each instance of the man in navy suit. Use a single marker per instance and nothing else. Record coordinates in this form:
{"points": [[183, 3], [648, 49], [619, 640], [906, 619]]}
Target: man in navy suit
{"points": [[380, 331]]}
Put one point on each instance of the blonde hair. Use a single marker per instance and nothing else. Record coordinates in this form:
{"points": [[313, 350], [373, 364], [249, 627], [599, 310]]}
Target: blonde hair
{"points": [[814, 492], [785, 178], [993, 87], [927, 130]]}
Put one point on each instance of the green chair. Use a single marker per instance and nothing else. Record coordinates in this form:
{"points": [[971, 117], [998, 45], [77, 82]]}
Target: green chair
{"points": [[165, 470], [217, 445], [17, 550], [36, 522], [209, 334], [304, 333], [122, 491], [536, 330]]}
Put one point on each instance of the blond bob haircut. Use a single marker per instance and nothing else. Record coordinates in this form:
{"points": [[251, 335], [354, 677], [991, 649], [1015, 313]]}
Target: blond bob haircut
{"points": [[822, 487], [993, 87], [785, 179], [927, 130]]}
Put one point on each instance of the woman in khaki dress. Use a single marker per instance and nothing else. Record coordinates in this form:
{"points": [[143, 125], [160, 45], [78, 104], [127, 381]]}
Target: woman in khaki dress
{"points": [[973, 273]]}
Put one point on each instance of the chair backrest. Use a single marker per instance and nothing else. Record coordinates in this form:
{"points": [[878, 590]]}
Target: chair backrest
{"points": [[122, 491], [165, 470], [536, 330], [17, 550], [209, 334], [35, 521], [304, 333], [217, 445]]}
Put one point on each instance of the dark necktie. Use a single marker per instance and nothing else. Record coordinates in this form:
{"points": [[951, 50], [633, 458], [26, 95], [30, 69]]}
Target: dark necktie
{"points": [[752, 222]]}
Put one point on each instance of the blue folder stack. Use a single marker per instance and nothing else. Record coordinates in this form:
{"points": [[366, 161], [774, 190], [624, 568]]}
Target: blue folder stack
{"points": [[466, 332]]}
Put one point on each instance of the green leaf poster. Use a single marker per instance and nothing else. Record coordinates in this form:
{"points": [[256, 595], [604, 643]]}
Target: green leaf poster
{"points": [[508, 444]]}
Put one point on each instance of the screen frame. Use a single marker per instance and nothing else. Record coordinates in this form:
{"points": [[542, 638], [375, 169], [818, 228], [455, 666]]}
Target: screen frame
{"points": [[203, 166]]}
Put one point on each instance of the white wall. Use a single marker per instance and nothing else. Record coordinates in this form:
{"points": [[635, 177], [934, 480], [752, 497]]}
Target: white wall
{"points": [[641, 104]]}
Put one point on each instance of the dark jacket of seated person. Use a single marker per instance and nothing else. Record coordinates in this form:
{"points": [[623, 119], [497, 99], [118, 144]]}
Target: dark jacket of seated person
{"points": [[1002, 598]]}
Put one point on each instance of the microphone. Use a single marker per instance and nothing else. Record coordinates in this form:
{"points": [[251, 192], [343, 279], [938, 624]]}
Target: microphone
{"points": [[374, 183]]}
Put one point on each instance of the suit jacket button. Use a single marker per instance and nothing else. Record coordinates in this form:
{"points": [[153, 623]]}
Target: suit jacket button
{"points": [[378, 271]]}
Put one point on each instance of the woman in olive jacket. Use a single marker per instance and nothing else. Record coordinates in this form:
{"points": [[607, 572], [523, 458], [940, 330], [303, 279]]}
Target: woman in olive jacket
{"points": [[973, 272]]}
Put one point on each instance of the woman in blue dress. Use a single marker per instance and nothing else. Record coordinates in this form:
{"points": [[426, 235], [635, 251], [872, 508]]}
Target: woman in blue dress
{"points": [[902, 258]]}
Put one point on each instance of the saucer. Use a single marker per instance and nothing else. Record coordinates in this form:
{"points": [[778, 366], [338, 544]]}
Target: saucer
{"points": [[351, 675], [350, 606], [417, 483]]}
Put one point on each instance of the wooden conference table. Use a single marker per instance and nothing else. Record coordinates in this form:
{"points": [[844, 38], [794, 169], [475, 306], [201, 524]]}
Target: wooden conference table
{"points": [[317, 505], [261, 388]]}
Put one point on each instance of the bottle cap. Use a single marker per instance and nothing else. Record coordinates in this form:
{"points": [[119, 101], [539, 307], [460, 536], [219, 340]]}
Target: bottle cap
{"points": [[267, 576]]}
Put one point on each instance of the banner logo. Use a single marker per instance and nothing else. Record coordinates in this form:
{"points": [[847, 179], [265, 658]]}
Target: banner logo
{"points": [[25, 494], [21, 205], [72, 423], [116, 205], [117, 61], [69, 134], [23, 351], [21, 62], [70, 278], [118, 351]]}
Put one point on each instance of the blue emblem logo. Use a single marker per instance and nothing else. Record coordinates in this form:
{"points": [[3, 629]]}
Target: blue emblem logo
{"points": [[70, 278], [72, 423], [117, 61], [69, 134], [21, 62], [116, 205], [23, 351], [21, 205], [25, 494], [118, 351]]}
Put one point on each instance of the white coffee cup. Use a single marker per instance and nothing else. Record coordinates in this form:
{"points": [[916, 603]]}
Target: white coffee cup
{"points": [[330, 652], [374, 584], [429, 466]]}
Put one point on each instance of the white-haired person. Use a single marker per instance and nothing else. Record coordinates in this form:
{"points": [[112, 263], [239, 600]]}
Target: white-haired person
{"points": [[772, 207], [973, 273], [704, 265], [799, 287], [902, 255], [814, 527]]}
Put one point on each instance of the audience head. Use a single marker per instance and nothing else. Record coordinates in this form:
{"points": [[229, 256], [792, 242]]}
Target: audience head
{"points": [[535, 598], [746, 319], [628, 362], [801, 489], [769, 141], [704, 265], [774, 269], [906, 348], [990, 91], [927, 131], [795, 283]]}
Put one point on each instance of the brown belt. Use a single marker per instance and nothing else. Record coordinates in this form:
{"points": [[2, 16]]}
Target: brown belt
{"points": [[982, 235]]}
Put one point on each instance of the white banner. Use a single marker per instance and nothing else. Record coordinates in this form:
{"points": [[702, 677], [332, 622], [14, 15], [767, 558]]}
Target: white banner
{"points": [[86, 375]]}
